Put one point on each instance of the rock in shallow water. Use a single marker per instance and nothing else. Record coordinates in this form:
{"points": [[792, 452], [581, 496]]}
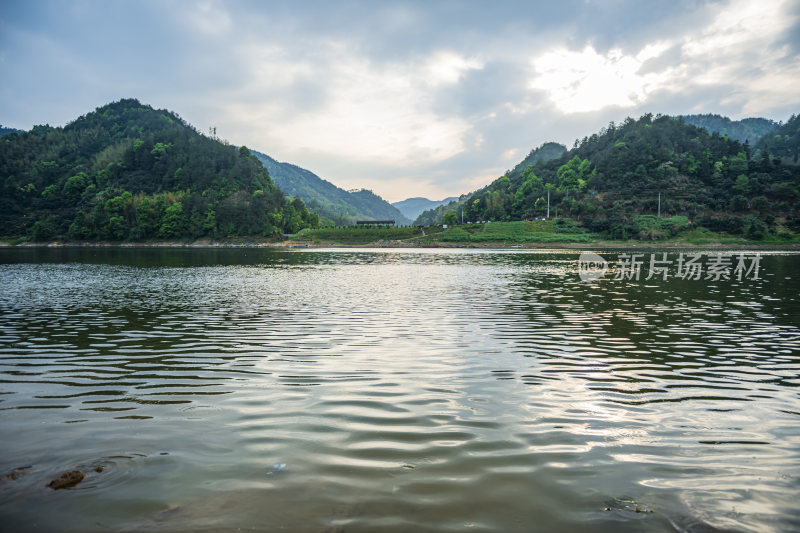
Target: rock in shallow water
{"points": [[66, 480]]}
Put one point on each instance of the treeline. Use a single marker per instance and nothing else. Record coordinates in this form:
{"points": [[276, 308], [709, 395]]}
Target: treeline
{"points": [[609, 179], [129, 172]]}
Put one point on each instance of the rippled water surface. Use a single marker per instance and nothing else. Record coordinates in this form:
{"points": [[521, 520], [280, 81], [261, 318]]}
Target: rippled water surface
{"points": [[393, 390]]}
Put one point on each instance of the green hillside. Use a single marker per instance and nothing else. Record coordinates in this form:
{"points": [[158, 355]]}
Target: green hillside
{"points": [[610, 184], [784, 142], [326, 199], [545, 152], [128, 172]]}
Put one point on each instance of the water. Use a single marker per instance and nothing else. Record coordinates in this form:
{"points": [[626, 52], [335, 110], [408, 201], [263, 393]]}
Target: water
{"points": [[393, 390]]}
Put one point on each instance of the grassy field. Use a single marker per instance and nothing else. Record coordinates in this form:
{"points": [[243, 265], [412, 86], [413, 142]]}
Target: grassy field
{"points": [[511, 233], [493, 232], [357, 235], [515, 233]]}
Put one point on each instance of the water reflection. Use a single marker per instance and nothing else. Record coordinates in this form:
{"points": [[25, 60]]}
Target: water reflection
{"points": [[402, 389]]}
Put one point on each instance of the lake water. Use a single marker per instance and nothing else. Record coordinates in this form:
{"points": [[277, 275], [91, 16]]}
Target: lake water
{"points": [[394, 390]]}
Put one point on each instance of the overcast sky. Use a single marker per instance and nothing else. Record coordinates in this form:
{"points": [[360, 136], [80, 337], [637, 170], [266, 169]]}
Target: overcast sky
{"points": [[405, 98]]}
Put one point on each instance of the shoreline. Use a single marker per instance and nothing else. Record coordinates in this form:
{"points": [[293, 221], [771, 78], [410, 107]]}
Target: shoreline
{"points": [[207, 244]]}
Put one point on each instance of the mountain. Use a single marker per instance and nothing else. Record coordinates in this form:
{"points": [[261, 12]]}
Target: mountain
{"points": [[747, 129], [545, 152], [127, 171], [413, 207], [617, 181], [326, 199], [784, 142]]}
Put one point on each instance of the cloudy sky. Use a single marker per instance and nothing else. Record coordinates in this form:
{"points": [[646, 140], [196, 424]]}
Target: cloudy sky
{"points": [[429, 98]]}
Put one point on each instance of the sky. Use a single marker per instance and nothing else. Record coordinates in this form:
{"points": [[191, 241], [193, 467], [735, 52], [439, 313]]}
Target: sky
{"points": [[407, 98]]}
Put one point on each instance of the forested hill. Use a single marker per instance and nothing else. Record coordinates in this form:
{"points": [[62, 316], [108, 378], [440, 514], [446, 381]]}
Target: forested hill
{"points": [[127, 171], [784, 142], [545, 152], [611, 181], [745, 130], [326, 199]]}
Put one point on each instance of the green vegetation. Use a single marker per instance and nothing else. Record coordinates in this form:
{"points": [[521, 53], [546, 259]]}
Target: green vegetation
{"points": [[334, 205], [512, 233], [616, 183], [492, 233], [128, 172], [783, 143], [357, 235]]}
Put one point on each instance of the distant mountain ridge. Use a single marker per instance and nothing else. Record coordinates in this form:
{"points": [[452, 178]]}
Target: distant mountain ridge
{"points": [[328, 200], [6, 131], [746, 129], [414, 207]]}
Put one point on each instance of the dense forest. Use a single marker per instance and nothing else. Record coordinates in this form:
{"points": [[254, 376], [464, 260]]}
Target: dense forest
{"points": [[336, 206], [617, 182], [784, 142], [128, 172]]}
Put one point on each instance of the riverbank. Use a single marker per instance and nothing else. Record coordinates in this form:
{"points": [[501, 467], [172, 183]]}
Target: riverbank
{"points": [[296, 244]]}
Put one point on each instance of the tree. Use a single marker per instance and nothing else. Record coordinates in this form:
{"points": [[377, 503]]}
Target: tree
{"points": [[173, 223], [450, 218], [575, 174]]}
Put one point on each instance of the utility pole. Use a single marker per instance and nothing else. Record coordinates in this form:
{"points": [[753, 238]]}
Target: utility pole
{"points": [[548, 204], [462, 215], [659, 205]]}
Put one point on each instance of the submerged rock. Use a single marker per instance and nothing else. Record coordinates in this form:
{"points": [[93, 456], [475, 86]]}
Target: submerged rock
{"points": [[17, 473], [66, 480]]}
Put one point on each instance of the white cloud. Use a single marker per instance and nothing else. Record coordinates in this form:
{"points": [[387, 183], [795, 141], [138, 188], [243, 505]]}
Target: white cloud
{"points": [[448, 67], [209, 18], [736, 51], [738, 26], [732, 53], [587, 80], [381, 113]]}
